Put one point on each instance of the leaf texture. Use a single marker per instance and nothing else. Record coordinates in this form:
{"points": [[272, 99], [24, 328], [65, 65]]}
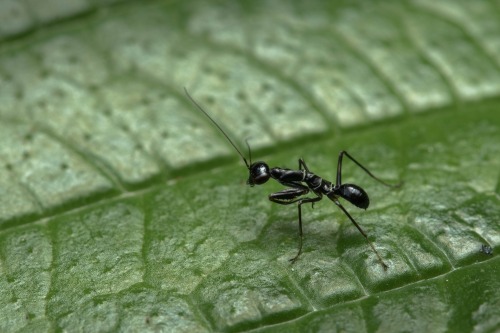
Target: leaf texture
{"points": [[123, 209]]}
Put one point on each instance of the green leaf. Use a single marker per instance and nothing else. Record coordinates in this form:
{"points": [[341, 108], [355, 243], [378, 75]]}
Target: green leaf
{"points": [[122, 208]]}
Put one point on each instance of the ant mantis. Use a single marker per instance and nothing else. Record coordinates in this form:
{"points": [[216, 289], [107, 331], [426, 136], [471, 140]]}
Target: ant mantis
{"points": [[301, 182]]}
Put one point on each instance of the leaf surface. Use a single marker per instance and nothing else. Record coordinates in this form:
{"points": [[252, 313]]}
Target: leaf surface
{"points": [[123, 209]]}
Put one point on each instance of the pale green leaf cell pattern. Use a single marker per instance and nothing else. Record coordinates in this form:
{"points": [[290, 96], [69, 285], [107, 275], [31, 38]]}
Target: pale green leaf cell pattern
{"points": [[123, 209]]}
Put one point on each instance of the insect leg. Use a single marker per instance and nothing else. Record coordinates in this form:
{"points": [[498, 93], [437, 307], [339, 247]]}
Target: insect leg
{"points": [[384, 265], [302, 165], [287, 197], [303, 201], [339, 171]]}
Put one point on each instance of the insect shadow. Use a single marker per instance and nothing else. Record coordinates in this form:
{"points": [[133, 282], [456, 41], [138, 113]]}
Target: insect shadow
{"points": [[302, 182]]}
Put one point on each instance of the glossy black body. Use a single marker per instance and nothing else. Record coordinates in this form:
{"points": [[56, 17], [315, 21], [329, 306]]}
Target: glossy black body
{"points": [[303, 181]]}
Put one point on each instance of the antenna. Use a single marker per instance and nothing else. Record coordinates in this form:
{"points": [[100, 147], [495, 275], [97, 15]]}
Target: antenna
{"points": [[217, 125], [249, 151]]}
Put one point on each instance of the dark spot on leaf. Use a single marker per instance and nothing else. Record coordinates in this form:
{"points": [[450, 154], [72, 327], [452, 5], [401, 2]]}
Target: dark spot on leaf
{"points": [[64, 166], [98, 301], [164, 134], [19, 93], [87, 136], [266, 86], [241, 96], [92, 87], [42, 104], [486, 249], [9, 167], [73, 59], [178, 53], [223, 75], [28, 137], [321, 63], [207, 69], [59, 93], [44, 73], [26, 154], [145, 100], [147, 46], [210, 100], [279, 109]]}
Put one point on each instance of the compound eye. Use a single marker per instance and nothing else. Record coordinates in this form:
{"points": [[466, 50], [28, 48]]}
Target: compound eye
{"points": [[259, 173]]}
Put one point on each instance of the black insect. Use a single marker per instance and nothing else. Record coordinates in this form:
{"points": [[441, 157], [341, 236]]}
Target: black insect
{"points": [[300, 182], [486, 250]]}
